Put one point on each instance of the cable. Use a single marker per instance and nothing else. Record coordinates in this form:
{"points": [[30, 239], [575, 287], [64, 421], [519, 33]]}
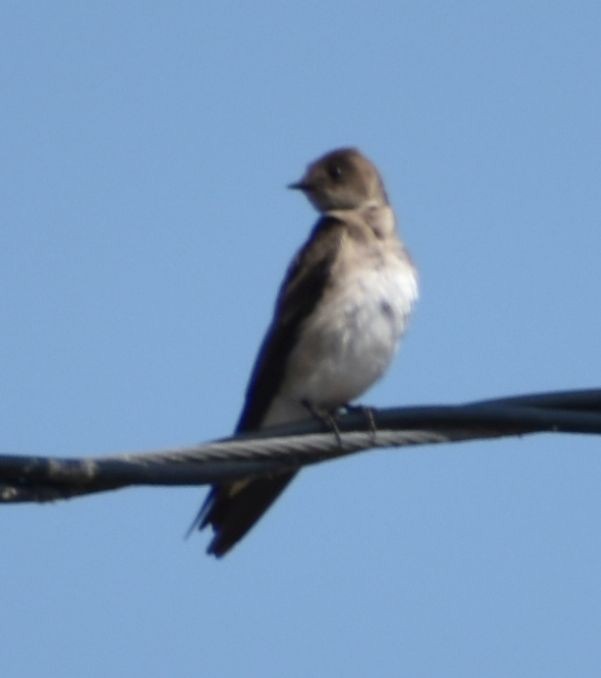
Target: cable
{"points": [[282, 448]]}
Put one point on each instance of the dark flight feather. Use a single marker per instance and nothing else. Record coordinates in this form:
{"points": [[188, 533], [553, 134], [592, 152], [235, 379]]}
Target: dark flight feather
{"points": [[233, 508]]}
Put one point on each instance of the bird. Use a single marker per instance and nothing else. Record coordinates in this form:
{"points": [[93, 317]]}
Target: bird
{"points": [[339, 315]]}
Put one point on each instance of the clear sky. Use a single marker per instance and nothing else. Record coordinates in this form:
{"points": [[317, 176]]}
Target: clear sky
{"points": [[144, 230]]}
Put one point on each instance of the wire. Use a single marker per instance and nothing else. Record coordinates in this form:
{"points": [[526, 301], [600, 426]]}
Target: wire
{"points": [[282, 448]]}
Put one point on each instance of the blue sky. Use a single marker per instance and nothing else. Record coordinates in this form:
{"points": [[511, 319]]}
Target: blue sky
{"points": [[144, 230]]}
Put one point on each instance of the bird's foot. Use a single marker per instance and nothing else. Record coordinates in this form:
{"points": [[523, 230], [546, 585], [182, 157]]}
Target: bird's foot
{"points": [[368, 413], [325, 417]]}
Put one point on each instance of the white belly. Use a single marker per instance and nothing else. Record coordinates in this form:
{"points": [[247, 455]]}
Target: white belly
{"points": [[349, 341]]}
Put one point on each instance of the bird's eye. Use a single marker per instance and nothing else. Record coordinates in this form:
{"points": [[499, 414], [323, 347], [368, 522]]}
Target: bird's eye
{"points": [[335, 172]]}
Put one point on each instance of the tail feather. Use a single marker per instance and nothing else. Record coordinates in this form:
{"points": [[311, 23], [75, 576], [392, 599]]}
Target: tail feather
{"points": [[232, 509]]}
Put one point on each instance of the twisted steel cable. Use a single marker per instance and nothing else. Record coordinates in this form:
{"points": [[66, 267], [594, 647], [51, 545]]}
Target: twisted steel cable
{"points": [[278, 449]]}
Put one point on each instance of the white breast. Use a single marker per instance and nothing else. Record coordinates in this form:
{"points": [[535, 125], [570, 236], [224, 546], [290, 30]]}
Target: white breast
{"points": [[350, 339]]}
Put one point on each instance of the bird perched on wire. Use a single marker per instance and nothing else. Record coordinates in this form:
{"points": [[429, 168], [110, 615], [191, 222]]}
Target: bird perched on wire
{"points": [[340, 312]]}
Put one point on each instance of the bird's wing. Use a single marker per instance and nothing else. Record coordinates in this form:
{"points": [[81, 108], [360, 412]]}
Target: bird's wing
{"points": [[303, 286], [233, 508]]}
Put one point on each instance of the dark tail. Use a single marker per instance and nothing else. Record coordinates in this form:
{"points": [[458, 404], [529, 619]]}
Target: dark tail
{"points": [[232, 509]]}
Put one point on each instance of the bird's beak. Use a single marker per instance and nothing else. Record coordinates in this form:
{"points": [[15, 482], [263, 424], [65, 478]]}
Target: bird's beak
{"points": [[299, 186]]}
